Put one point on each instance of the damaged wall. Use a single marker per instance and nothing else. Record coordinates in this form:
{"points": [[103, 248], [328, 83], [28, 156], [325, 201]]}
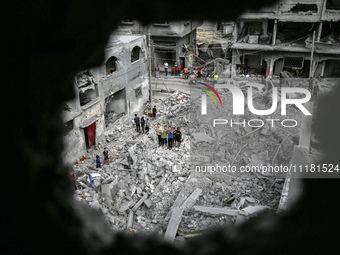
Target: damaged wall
{"points": [[99, 86]]}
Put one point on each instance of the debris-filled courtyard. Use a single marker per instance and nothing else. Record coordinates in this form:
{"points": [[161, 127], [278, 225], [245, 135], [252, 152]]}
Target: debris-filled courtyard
{"points": [[147, 188]]}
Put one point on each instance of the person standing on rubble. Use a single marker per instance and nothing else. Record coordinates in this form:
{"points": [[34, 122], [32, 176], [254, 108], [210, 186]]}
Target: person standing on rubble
{"points": [[282, 80], [164, 135], [178, 70], [170, 137], [154, 111], [199, 72], [142, 122], [159, 134], [166, 65], [106, 156], [178, 137], [192, 78], [137, 122], [172, 71], [147, 126], [186, 73], [157, 70], [204, 73], [175, 66], [98, 164], [215, 79]]}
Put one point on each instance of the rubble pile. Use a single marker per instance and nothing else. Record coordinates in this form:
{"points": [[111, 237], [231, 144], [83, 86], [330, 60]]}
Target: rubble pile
{"points": [[142, 180], [145, 186], [242, 144]]}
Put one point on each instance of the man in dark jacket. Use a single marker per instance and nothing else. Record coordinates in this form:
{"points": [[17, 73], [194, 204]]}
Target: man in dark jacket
{"points": [[137, 122], [154, 111]]}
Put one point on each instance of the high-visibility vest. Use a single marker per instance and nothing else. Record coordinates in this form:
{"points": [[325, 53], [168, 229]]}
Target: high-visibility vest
{"points": [[215, 77], [185, 70]]}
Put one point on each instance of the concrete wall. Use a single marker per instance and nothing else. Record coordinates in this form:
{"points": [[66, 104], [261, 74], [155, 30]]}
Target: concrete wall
{"points": [[128, 77], [160, 57], [116, 102]]}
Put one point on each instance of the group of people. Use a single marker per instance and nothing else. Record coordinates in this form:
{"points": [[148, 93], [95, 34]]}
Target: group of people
{"points": [[175, 69], [106, 159], [145, 124], [168, 137], [200, 73], [140, 122]]}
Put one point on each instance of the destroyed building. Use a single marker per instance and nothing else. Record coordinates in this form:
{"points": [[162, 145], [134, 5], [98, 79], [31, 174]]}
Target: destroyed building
{"points": [[280, 38], [171, 40], [103, 94]]}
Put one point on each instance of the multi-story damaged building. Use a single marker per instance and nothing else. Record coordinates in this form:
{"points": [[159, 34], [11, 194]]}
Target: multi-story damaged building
{"points": [[103, 94], [280, 38], [171, 41]]}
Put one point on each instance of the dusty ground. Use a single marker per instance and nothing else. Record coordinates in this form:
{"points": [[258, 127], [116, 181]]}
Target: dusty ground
{"points": [[140, 171]]}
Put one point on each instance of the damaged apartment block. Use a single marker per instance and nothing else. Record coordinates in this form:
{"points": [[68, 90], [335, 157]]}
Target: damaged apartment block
{"points": [[172, 41], [105, 93], [279, 39]]}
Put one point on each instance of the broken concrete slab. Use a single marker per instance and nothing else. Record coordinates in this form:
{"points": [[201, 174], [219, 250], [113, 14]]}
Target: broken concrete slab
{"points": [[105, 189], [177, 212], [216, 210], [125, 206], [191, 200], [173, 224], [139, 203], [250, 199], [251, 210], [201, 137], [130, 219], [148, 203]]}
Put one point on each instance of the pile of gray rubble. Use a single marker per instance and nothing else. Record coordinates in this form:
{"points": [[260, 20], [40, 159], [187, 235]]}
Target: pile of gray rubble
{"points": [[147, 188]]}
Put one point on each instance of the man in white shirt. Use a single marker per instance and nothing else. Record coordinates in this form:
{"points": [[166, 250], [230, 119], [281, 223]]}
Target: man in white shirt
{"points": [[166, 65]]}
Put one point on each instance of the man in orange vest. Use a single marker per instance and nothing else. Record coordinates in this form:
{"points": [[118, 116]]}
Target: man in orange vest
{"points": [[186, 74]]}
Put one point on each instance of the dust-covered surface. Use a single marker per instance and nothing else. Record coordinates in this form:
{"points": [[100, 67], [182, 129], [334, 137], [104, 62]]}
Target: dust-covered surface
{"points": [[143, 183]]}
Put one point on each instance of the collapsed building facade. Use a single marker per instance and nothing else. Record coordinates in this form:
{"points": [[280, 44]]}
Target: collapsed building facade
{"points": [[280, 38], [172, 41], [105, 93]]}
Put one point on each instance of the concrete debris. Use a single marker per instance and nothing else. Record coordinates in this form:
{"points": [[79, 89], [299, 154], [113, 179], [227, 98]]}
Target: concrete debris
{"points": [[212, 210], [130, 219], [148, 203], [126, 205], [139, 203], [177, 215], [145, 186], [251, 210]]}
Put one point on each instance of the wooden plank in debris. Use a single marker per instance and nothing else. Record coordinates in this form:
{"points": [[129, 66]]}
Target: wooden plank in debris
{"points": [[216, 210], [176, 215]]}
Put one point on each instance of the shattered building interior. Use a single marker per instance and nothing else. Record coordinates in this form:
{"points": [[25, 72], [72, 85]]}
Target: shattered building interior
{"points": [[170, 40], [280, 38], [106, 92], [61, 100]]}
